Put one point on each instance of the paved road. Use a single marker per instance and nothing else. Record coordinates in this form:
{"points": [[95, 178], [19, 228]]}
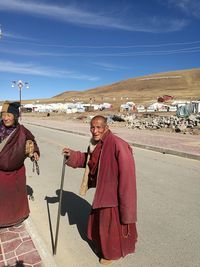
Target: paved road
{"points": [[168, 206]]}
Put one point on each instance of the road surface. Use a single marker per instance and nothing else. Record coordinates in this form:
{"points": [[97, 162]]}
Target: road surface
{"points": [[168, 206]]}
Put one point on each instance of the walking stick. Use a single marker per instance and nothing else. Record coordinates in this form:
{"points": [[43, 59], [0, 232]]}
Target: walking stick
{"points": [[59, 206]]}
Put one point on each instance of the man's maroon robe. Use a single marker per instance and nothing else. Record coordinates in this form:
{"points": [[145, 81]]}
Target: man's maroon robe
{"points": [[113, 239], [112, 222]]}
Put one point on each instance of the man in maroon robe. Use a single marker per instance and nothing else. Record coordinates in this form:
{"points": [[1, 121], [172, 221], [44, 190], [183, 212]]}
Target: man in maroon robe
{"points": [[14, 206], [110, 168]]}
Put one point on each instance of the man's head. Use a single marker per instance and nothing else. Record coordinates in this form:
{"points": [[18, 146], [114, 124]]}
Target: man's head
{"points": [[10, 113], [98, 127]]}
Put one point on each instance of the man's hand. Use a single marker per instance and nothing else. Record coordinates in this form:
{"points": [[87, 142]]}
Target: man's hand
{"points": [[66, 151]]}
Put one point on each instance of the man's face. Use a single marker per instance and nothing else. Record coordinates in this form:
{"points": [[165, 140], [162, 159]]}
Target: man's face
{"points": [[8, 119], [98, 128]]}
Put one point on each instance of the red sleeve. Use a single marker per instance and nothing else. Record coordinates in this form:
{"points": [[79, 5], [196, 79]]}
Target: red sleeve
{"points": [[127, 184], [77, 159]]}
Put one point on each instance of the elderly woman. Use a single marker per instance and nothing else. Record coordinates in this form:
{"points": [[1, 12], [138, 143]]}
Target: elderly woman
{"points": [[14, 206]]}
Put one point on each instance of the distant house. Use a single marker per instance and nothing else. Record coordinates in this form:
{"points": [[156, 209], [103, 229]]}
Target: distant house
{"points": [[89, 108], [129, 106], [196, 105], [140, 108], [165, 98], [155, 107]]}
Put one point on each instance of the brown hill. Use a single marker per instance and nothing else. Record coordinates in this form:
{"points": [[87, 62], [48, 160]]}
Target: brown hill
{"points": [[183, 85]]}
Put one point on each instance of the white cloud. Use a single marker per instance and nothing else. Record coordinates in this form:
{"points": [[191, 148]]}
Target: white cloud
{"points": [[108, 66], [117, 51], [189, 7], [31, 69], [82, 17], [16, 36]]}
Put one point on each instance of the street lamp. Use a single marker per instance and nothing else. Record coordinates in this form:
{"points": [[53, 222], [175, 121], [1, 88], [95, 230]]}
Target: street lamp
{"points": [[20, 84]]}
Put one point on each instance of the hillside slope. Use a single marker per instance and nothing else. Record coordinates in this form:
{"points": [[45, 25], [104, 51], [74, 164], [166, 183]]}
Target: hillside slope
{"points": [[182, 85]]}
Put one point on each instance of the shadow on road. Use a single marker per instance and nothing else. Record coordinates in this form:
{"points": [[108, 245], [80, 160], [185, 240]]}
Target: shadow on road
{"points": [[76, 208], [18, 264]]}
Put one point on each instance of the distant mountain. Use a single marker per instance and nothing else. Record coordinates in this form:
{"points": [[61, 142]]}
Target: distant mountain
{"points": [[184, 85]]}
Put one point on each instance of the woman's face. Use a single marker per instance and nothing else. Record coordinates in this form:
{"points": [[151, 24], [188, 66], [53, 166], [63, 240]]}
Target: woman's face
{"points": [[8, 119]]}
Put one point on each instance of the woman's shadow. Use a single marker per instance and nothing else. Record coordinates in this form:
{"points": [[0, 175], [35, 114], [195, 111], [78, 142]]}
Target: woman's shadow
{"points": [[29, 191], [77, 209]]}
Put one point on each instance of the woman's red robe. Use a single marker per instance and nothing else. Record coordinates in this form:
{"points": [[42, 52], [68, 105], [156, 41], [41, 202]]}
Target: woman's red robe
{"points": [[14, 206]]}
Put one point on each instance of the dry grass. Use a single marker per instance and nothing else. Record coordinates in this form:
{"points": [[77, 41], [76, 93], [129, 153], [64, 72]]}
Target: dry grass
{"points": [[184, 85]]}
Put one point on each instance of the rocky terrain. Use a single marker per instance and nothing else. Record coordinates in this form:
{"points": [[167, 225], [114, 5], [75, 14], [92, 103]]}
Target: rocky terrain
{"points": [[156, 122]]}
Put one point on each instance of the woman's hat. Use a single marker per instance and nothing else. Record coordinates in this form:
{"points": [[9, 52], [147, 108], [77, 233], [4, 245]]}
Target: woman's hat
{"points": [[11, 107]]}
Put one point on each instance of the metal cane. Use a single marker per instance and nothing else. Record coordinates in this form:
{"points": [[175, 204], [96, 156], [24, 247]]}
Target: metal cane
{"points": [[59, 206]]}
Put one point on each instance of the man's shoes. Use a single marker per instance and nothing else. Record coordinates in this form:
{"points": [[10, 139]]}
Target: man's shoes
{"points": [[105, 262]]}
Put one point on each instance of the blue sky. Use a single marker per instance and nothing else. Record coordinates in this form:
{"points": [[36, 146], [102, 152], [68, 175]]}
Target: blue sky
{"points": [[63, 45]]}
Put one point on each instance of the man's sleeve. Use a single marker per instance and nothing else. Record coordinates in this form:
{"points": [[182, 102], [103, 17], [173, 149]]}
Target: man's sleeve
{"points": [[127, 184], [76, 159]]}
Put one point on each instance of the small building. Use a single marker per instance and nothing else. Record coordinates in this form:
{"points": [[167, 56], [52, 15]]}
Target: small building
{"points": [[89, 108], [196, 105]]}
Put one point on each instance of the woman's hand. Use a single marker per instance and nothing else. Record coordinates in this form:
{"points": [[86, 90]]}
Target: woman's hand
{"points": [[36, 156]]}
